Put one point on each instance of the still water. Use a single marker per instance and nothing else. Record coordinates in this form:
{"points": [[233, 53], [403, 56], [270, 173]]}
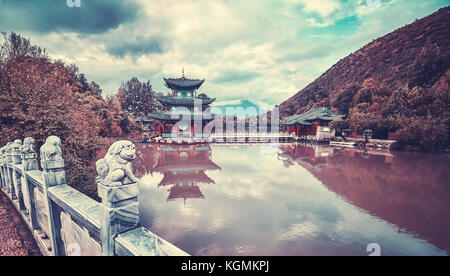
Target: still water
{"points": [[294, 199]]}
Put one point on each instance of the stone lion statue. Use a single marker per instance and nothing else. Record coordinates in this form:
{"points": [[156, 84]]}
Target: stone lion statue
{"points": [[9, 147], [2, 154], [16, 145], [28, 145], [115, 168], [51, 150]]}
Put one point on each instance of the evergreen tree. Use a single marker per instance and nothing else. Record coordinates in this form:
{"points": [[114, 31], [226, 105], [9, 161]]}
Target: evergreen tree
{"points": [[137, 98]]}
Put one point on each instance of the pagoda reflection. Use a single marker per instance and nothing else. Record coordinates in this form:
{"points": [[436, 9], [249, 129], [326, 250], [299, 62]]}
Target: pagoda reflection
{"points": [[184, 168]]}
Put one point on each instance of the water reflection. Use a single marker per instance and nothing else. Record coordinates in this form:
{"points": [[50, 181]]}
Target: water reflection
{"points": [[184, 169], [410, 190], [299, 200]]}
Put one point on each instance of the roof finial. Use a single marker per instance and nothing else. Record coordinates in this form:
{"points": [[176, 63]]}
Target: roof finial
{"points": [[183, 74]]}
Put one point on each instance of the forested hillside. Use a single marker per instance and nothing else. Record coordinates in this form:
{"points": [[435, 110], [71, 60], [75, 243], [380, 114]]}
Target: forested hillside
{"points": [[398, 84]]}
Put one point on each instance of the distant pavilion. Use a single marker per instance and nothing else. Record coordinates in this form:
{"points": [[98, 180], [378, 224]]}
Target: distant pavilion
{"points": [[180, 104], [312, 125]]}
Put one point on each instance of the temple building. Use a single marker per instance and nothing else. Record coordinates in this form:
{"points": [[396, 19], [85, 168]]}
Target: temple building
{"points": [[184, 169], [312, 125], [185, 114]]}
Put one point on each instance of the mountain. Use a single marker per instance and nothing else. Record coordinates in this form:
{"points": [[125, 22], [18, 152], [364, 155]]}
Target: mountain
{"points": [[395, 82]]}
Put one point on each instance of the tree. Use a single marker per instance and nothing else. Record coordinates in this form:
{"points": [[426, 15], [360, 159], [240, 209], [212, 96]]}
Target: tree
{"points": [[148, 98], [423, 134], [137, 98], [343, 100], [130, 96], [339, 125], [37, 100], [95, 88], [16, 46], [84, 82]]}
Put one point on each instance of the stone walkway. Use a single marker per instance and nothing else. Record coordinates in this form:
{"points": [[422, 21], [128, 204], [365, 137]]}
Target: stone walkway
{"points": [[15, 237]]}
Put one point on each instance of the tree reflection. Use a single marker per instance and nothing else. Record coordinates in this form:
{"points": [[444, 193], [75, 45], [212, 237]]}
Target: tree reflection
{"points": [[410, 190]]}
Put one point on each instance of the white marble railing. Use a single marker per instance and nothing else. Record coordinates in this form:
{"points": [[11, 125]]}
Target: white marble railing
{"points": [[65, 222]]}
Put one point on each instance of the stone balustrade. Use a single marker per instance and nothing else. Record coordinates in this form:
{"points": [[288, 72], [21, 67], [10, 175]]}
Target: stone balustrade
{"points": [[64, 221]]}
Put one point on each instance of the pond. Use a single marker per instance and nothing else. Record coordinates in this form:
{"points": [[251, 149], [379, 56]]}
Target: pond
{"points": [[294, 199]]}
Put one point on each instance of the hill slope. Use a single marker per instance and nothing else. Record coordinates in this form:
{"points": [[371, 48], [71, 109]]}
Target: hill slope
{"points": [[397, 80]]}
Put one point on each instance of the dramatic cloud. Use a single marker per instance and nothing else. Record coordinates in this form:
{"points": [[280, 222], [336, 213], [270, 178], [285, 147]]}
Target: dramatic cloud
{"points": [[236, 76], [136, 48], [54, 15], [324, 7], [263, 51]]}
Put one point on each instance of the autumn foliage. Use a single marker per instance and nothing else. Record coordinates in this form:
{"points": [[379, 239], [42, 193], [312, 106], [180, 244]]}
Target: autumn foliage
{"points": [[40, 97]]}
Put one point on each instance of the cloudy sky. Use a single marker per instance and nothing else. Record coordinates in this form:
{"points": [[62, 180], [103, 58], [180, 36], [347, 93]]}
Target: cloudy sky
{"points": [[261, 50]]}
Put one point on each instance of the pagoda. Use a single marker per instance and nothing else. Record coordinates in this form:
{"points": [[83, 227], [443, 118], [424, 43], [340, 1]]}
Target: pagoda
{"points": [[185, 114], [184, 169]]}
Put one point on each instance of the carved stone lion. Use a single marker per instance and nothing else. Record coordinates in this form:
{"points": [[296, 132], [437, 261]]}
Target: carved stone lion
{"points": [[115, 168], [2, 154], [8, 147], [16, 146], [51, 150], [28, 146]]}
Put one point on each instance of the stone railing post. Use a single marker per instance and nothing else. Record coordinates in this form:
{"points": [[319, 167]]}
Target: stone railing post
{"points": [[52, 163], [16, 155], [2, 173], [29, 163], [118, 189], [9, 186]]}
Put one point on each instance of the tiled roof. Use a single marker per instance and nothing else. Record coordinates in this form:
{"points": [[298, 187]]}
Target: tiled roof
{"points": [[321, 113], [193, 165], [183, 83], [176, 116], [173, 179], [185, 192], [184, 101]]}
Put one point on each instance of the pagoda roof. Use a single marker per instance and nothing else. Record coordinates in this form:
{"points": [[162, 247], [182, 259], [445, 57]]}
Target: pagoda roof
{"points": [[183, 83], [191, 165], [173, 179], [181, 148], [189, 101], [177, 116], [321, 113], [185, 192]]}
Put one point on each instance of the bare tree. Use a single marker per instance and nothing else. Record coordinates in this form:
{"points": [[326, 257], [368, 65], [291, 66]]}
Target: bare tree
{"points": [[17, 46]]}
